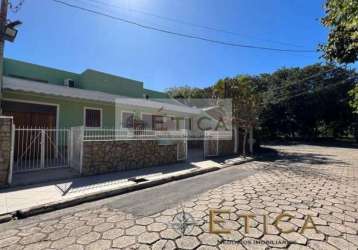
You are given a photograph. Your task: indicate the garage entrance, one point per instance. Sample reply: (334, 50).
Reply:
(38, 144)
(30, 115)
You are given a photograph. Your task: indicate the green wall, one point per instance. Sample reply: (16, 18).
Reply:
(94, 80)
(32, 71)
(89, 79)
(71, 111)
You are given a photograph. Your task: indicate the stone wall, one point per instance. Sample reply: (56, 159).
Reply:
(5, 148)
(108, 156)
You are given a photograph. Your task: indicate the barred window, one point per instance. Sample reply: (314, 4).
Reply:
(93, 118)
(127, 120)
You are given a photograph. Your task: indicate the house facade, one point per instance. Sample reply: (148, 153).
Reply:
(39, 96)
(94, 123)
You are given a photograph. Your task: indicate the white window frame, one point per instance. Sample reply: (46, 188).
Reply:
(146, 113)
(188, 121)
(130, 112)
(92, 108)
(175, 120)
(164, 118)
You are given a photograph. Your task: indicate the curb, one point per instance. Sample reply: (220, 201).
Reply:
(5, 218)
(49, 207)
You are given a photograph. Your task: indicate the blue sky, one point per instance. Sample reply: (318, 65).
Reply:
(68, 39)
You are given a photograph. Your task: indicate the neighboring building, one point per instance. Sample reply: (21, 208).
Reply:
(39, 96)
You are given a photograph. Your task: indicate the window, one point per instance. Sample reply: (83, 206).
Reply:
(148, 121)
(93, 118)
(127, 120)
(158, 122)
(188, 123)
(171, 123)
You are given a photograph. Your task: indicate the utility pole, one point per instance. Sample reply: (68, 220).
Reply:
(3, 20)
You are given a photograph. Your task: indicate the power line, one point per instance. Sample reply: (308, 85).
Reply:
(305, 79)
(193, 24)
(295, 82)
(177, 33)
(288, 97)
(284, 97)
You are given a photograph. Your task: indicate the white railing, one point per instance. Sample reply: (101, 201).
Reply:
(127, 134)
(218, 135)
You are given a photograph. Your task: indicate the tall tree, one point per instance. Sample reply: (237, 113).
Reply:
(354, 101)
(307, 102)
(342, 20)
(245, 102)
(189, 92)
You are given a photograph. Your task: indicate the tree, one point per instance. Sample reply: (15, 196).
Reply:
(306, 102)
(245, 102)
(354, 101)
(342, 20)
(186, 92)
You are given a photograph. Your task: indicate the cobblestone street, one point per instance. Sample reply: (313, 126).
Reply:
(320, 182)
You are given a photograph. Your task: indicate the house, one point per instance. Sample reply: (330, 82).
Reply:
(93, 122)
(39, 96)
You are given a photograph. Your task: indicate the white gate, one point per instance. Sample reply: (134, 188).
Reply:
(76, 145)
(211, 143)
(212, 139)
(36, 149)
(182, 148)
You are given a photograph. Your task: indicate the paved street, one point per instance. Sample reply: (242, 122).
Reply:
(303, 181)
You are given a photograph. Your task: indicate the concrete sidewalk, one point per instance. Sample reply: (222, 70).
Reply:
(22, 200)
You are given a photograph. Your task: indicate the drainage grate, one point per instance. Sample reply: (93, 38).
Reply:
(137, 180)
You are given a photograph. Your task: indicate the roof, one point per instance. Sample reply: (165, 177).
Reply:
(16, 84)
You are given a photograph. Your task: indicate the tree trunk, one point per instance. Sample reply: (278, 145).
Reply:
(244, 143)
(236, 139)
(251, 140)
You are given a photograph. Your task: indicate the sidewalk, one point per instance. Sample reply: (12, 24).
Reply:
(22, 200)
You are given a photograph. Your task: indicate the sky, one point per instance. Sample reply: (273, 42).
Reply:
(70, 39)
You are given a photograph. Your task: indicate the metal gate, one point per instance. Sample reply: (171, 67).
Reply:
(211, 143)
(37, 149)
(76, 148)
(182, 150)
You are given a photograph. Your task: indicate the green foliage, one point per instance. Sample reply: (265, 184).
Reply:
(189, 92)
(307, 102)
(245, 99)
(342, 20)
(353, 93)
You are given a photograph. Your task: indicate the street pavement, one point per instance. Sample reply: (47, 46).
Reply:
(303, 181)
(154, 200)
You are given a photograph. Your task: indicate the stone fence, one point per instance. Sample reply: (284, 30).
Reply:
(109, 156)
(5, 149)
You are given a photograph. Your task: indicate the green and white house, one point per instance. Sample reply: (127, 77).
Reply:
(39, 96)
(93, 122)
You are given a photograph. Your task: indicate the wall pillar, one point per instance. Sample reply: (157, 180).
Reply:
(6, 126)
